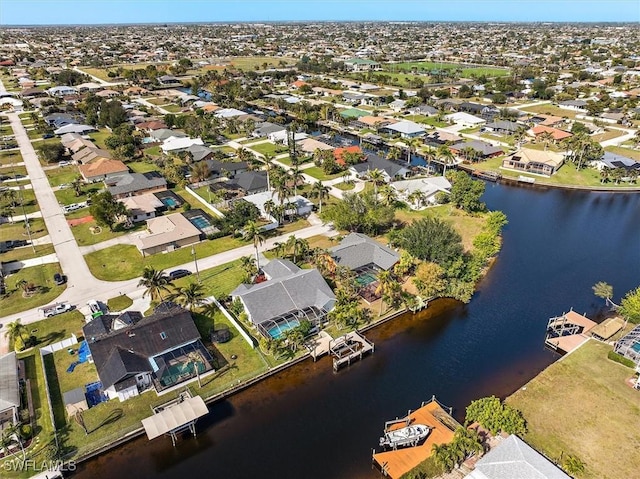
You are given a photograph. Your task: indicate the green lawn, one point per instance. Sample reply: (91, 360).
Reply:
(345, 186)
(218, 281)
(269, 148)
(28, 201)
(85, 236)
(142, 166)
(8, 170)
(628, 152)
(9, 157)
(68, 196)
(582, 406)
(153, 151)
(98, 138)
(319, 173)
(549, 109)
(158, 101)
(41, 276)
(26, 252)
(59, 176)
(172, 107)
(82, 375)
(17, 230)
(119, 303)
(250, 63)
(466, 71)
(122, 262)
(6, 130)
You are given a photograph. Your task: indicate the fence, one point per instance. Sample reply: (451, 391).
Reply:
(65, 343)
(247, 337)
(213, 209)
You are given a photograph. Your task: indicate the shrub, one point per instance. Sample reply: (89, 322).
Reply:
(613, 356)
(25, 432)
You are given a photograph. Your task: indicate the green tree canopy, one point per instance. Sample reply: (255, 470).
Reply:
(106, 210)
(496, 416)
(360, 212)
(431, 239)
(51, 152)
(466, 192)
(630, 306)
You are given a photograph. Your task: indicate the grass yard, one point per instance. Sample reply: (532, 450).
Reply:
(628, 152)
(549, 109)
(119, 303)
(59, 176)
(172, 108)
(9, 157)
(466, 71)
(12, 171)
(153, 151)
(6, 130)
(142, 166)
(250, 63)
(28, 201)
(319, 174)
(41, 276)
(344, 186)
(83, 374)
(218, 281)
(26, 252)
(582, 406)
(130, 263)
(607, 135)
(268, 148)
(97, 72)
(98, 138)
(85, 237)
(17, 230)
(68, 196)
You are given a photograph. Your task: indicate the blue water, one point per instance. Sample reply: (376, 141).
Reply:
(204, 94)
(276, 332)
(636, 347)
(169, 202)
(200, 222)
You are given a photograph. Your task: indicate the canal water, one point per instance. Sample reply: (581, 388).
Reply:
(309, 422)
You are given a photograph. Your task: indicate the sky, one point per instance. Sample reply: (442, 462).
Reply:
(61, 12)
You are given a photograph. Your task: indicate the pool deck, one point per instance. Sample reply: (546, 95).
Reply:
(395, 463)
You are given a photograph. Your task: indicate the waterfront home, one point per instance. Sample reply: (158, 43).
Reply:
(629, 346)
(390, 169)
(309, 146)
(102, 169)
(363, 255)
(288, 296)
(428, 188)
(9, 389)
(405, 128)
(512, 458)
(265, 128)
(372, 122)
(480, 150)
(133, 353)
(534, 161)
(167, 233)
(142, 207)
(168, 81)
(131, 184)
(614, 160)
(281, 137)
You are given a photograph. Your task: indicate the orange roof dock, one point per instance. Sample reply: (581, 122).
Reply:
(395, 463)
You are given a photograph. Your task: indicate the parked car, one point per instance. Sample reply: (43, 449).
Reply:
(94, 306)
(59, 279)
(56, 309)
(179, 273)
(64, 163)
(46, 136)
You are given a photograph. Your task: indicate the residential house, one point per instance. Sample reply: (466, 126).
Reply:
(503, 127)
(397, 105)
(9, 389)
(296, 205)
(629, 347)
(556, 134)
(174, 144)
(62, 91)
(132, 184)
(437, 138)
(482, 149)
(338, 153)
(281, 137)
(75, 145)
(90, 154)
(133, 353)
(358, 252)
(142, 207)
(391, 170)
(265, 128)
(613, 160)
(513, 458)
(534, 161)
(310, 145)
(288, 296)
(167, 233)
(218, 168)
(162, 134)
(465, 120)
(107, 94)
(361, 65)
(101, 169)
(74, 128)
(58, 119)
(426, 110)
(247, 182)
(575, 105)
(477, 109)
(167, 81)
(428, 187)
(405, 128)
(151, 125)
(372, 122)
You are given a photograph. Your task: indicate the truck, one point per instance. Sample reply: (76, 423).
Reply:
(56, 309)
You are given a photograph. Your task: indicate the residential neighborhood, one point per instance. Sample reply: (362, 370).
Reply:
(191, 210)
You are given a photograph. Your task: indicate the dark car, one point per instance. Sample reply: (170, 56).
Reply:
(179, 273)
(59, 279)
(47, 136)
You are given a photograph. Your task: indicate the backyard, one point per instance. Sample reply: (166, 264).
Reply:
(42, 277)
(581, 406)
(17, 230)
(268, 148)
(9, 157)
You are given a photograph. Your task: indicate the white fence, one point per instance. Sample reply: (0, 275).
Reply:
(247, 337)
(64, 344)
(214, 210)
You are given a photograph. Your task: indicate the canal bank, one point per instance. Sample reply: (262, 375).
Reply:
(308, 421)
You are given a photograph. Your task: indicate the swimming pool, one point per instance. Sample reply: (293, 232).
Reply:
(170, 202)
(200, 222)
(278, 330)
(366, 279)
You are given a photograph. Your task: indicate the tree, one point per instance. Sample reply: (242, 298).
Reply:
(466, 192)
(195, 358)
(388, 289)
(360, 212)
(18, 333)
(431, 239)
(573, 465)
(446, 156)
(51, 152)
(76, 184)
(253, 233)
(603, 290)
(297, 177)
(630, 306)
(106, 210)
(429, 280)
(248, 265)
(319, 191)
(389, 195)
(376, 176)
(413, 144)
(200, 171)
(495, 416)
(112, 114)
(190, 296)
(443, 456)
(156, 282)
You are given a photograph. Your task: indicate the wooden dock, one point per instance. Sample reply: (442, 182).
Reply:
(568, 332)
(395, 463)
(487, 175)
(349, 348)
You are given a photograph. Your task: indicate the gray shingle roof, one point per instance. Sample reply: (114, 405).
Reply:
(515, 459)
(132, 182)
(376, 162)
(357, 250)
(296, 291)
(9, 394)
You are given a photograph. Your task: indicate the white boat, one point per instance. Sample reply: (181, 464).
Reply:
(406, 436)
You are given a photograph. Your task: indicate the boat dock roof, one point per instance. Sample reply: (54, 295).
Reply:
(607, 328)
(568, 332)
(397, 462)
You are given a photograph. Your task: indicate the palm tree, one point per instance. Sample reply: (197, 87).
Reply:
(76, 184)
(443, 456)
(248, 265)
(417, 198)
(195, 358)
(446, 156)
(190, 296)
(282, 190)
(394, 154)
(268, 161)
(296, 175)
(389, 195)
(546, 137)
(156, 282)
(388, 288)
(605, 291)
(269, 206)
(252, 232)
(413, 144)
(9, 436)
(573, 465)
(376, 176)
(320, 191)
(200, 171)
(18, 333)
(243, 154)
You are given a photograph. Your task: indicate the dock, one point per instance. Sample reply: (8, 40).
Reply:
(487, 175)
(607, 328)
(568, 332)
(394, 463)
(349, 348)
(175, 417)
(526, 179)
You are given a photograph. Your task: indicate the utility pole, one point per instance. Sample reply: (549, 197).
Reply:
(195, 260)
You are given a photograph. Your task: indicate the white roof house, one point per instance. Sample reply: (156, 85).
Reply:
(464, 119)
(301, 205)
(74, 128)
(429, 187)
(9, 391)
(281, 137)
(406, 128)
(228, 113)
(177, 144)
(62, 91)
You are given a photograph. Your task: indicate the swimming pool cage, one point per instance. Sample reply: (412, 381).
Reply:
(274, 328)
(629, 345)
(367, 279)
(176, 366)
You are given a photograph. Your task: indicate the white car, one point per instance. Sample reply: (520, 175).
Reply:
(94, 306)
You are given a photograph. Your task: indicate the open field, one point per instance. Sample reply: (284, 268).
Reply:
(582, 406)
(9, 157)
(98, 138)
(250, 63)
(465, 70)
(89, 233)
(268, 148)
(26, 252)
(549, 109)
(17, 230)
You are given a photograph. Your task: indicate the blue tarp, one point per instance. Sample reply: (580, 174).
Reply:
(94, 394)
(83, 352)
(72, 366)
